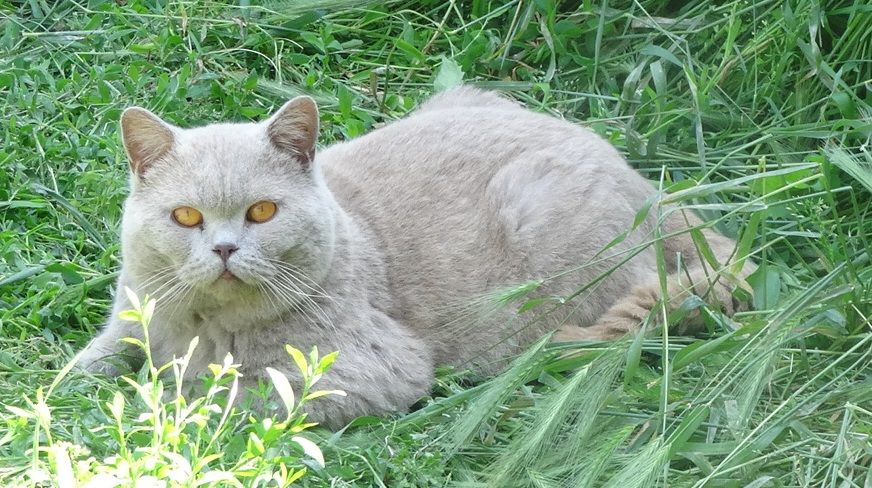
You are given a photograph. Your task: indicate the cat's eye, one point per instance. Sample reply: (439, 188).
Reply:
(261, 211)
(187, 216)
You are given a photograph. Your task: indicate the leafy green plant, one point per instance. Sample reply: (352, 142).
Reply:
(167, 437)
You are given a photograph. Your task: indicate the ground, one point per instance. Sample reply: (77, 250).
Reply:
(755, 114)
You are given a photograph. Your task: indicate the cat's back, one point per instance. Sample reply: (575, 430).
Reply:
(472, 192)
(460, 145)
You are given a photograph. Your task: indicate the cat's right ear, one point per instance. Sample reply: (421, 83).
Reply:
(146, 138)
(294, 129)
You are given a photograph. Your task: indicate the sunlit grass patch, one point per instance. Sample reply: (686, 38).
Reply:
(756, 115)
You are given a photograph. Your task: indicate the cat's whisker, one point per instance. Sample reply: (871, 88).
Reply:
(275, 300)
(182, 292)
(157, 276)
(294, 295)
(289, 280)
(292, 286)
(318, 310)
(295, 305)
(303, 304)
(166, 293)
(162, 292)
(317, 292)
(289, 277)
(300, 277)
(270, 300)
(161, 284)
(300, 286)
(160, 287)
(162, 269)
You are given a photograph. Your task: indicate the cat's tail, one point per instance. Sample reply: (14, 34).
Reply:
(466, 97)
(691, 274)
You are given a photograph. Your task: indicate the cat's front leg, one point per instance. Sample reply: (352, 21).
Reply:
(382, 368)
(102, 354)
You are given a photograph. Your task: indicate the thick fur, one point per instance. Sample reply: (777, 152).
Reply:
(394, 241)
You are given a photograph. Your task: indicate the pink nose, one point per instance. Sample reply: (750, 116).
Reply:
(225, 250)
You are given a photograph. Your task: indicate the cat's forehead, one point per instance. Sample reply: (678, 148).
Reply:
(229, 147)
(223, 166)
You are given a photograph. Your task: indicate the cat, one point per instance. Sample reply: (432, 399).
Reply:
(390, 248)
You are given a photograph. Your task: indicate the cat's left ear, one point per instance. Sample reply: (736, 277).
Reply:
(147, 138)
(294, 129)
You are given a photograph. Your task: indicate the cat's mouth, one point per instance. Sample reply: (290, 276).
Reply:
(232, 278)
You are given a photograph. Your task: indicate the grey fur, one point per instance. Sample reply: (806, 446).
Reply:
(407, 229)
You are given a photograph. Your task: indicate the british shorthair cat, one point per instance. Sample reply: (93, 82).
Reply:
(389, 247)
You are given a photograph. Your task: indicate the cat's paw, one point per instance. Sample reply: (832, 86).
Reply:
(99, 362)
(104, 368)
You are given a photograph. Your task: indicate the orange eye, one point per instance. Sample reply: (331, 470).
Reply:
(187, 216)
(261, 211)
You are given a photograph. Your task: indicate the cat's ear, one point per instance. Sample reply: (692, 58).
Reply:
(146, 138)
(294, 129)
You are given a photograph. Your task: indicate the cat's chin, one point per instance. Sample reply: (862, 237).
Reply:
(229, 286)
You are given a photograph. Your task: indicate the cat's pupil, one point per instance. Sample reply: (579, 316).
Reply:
(261, 211)
(187, 216)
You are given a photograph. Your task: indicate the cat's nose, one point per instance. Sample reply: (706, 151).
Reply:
(225, 250)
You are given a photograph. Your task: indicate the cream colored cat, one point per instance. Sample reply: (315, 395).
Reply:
(388, 247)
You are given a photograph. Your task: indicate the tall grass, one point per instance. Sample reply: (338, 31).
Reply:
(756, 115)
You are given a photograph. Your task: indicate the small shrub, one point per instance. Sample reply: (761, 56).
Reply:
(166, 437)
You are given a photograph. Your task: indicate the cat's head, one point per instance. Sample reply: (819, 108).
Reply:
(226, 210)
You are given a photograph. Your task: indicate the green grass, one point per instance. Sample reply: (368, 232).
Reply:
(756, 114)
